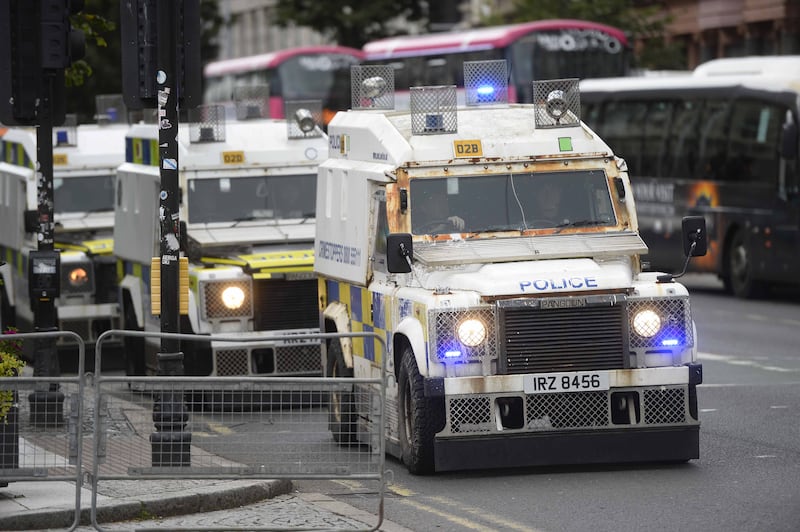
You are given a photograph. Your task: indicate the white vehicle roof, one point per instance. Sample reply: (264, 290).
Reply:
(262, 143)
(767, 73)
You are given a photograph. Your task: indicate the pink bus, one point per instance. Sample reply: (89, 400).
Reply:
(305, 73)
(544, 49)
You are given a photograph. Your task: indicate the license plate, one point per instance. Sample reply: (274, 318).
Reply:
(573, 381)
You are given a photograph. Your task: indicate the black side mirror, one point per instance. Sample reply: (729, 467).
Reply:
(399, 250)
(695, 239)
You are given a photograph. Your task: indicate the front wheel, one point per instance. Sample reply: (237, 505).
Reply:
(133, 345)
(420, 418)
(341, 408)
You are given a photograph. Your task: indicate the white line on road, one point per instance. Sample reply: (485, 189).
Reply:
(727, 359)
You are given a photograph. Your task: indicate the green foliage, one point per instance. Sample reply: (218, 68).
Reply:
(11, 364)
(349, 23)
(100, 71)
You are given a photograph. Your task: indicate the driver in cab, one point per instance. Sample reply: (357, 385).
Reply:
(430, 209)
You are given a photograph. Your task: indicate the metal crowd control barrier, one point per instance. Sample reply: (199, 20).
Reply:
(237, 427)
(41, 427)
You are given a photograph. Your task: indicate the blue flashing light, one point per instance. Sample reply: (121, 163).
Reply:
(485, 90)
(452, 354)
(61, 137)
(669, 341)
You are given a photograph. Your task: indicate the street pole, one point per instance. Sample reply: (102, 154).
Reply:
(170, 443)
(47, 405)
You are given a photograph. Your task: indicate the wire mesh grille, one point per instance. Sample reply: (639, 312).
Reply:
(433, 110)
(251, 101)
(486, 82)
(298, 359)
(66, 134)
(676, 322)
(470, 414)
(664, 406)
(110, 109)
(566, 410)
(558, 103)
(303, 118)
(230, 362)
(207, 123)
(372, 86)
(212, 300)
(444, 340)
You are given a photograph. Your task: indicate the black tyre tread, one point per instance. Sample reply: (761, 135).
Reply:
(341, 422)
(746, 287)
(427, 418)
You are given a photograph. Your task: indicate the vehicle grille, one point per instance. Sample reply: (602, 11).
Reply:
(283, 304)
(537, 339)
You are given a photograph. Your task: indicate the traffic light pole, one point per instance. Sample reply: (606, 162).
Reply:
(47, 406)
(170, 443)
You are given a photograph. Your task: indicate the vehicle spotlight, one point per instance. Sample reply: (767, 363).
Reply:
(556, 104)
(471, 332)
(374, 87)
(233, 297)
(305, 120)
(646, 323)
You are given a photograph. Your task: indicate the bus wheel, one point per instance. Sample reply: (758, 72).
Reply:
(420, 418)
(740, 269)
(341, 410)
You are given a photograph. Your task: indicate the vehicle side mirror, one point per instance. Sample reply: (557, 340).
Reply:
(399, 250)
(31, 220)
(695, 238)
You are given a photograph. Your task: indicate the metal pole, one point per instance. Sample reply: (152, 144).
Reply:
(170, 443)
(47, 405)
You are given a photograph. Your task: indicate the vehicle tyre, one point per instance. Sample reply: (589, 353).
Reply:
(420, 417)
(342, 417)
(740, 269)
(134, 346)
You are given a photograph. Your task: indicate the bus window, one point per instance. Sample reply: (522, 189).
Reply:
(624, 129)
(714, 139)
(654, 139)
(682, 151)
(755, 130)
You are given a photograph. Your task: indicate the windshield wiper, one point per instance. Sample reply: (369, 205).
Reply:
(580, 223)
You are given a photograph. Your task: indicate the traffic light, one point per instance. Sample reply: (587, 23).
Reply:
(37, 42)
(139, 35)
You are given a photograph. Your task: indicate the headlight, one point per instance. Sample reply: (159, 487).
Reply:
(233, 297)
(78, 277)
(471, 332)
(646, 323)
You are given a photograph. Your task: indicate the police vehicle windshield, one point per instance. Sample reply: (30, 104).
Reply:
(507, 202)
(223, 199)
(83, 194)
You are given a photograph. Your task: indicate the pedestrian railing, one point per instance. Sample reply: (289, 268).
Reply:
(175, 427)
(42, 424)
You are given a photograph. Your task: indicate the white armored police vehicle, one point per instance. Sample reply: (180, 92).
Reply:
(495, 248)
(247, 229)
(85, 159)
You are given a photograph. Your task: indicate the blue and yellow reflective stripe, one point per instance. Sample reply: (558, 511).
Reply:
(141, 151)
(17, 259)
(14, 153)
(369, 312)
(134, 269)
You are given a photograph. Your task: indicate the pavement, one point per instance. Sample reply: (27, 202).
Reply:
(39, 502)
(179, 504)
